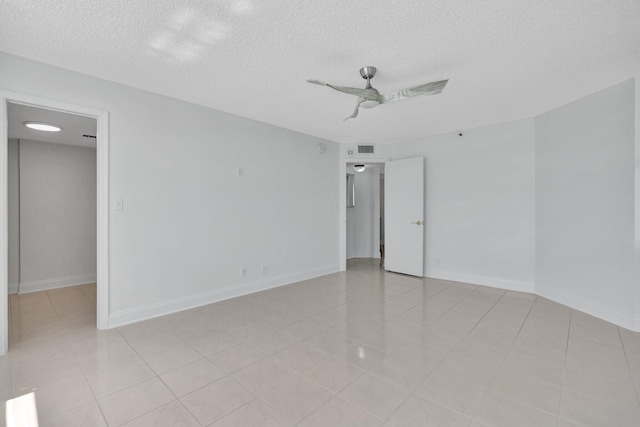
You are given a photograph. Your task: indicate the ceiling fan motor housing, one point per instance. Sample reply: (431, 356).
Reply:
(368, 72)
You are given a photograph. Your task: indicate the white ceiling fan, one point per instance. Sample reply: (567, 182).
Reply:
(369, 97)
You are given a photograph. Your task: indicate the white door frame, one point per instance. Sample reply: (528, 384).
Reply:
(342, 204)
(102, 196)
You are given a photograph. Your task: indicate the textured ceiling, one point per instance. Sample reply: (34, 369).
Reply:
(505, 59)
(73, 126)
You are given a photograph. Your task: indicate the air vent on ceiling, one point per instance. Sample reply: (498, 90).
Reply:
(89, 136)
(365, 149)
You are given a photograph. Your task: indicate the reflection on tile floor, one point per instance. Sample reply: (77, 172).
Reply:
(357, 348)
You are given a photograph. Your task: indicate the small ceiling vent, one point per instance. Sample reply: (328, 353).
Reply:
(89, 136)
(365, 149)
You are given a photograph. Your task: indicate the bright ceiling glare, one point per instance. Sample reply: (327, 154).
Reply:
(46, 127)
(359, 168)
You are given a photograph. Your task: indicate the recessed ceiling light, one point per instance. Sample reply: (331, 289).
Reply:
(47, 127)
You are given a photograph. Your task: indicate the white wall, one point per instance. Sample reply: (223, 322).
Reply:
(57, 215)
(13, 215)
(479, 204)
(585, 195)
(548, 205)
(189, 222)
(363, 229)
(350, 225)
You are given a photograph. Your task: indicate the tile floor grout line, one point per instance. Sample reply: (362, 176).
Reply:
(371, 413)
(348, 401)
(287, 418)
(564, 364)
(326, 388)
(502, 363)
(473, 417)
(177, 399)
(626, 357)
(77, 361)
(463, 338)
(305, 378)
(413, 392)
(247, 404)
(154, 372)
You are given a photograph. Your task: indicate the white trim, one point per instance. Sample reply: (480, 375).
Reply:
(4, 227)
(13, 287)
(133, 315)
(102, 199)
(493, 282)
(636, 83)
(102, 153)
(59, 282)
(596, 309)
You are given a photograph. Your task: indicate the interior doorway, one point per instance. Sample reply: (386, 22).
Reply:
(12, 107)
(365, 214)
(52, 226)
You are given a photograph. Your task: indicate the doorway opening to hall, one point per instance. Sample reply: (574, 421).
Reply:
(52, 222)
(365, 215)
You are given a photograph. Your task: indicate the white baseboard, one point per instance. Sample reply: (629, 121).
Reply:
(592, 308)
(12, 288)
(179, 304)
(60, 282)
(126, 317)
(596, 309)
(482, 281)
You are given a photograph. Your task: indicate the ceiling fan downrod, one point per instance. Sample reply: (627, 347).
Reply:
(367, 73)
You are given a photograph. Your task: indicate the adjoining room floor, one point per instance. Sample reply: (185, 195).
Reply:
(357, 348)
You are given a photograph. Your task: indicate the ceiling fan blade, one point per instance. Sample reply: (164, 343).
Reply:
(356, 111)
(317, 82)
(363, 93)
(432, 88)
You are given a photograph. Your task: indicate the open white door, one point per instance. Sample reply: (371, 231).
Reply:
(404, 216)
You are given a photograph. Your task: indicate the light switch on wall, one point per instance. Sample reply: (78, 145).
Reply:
(118, 205)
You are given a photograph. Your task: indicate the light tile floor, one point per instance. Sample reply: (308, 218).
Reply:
(358, 348)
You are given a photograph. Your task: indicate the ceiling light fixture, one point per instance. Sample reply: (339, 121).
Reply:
(359, 168)
(46, 127)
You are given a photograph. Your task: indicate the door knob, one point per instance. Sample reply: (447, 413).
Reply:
(417, 222)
